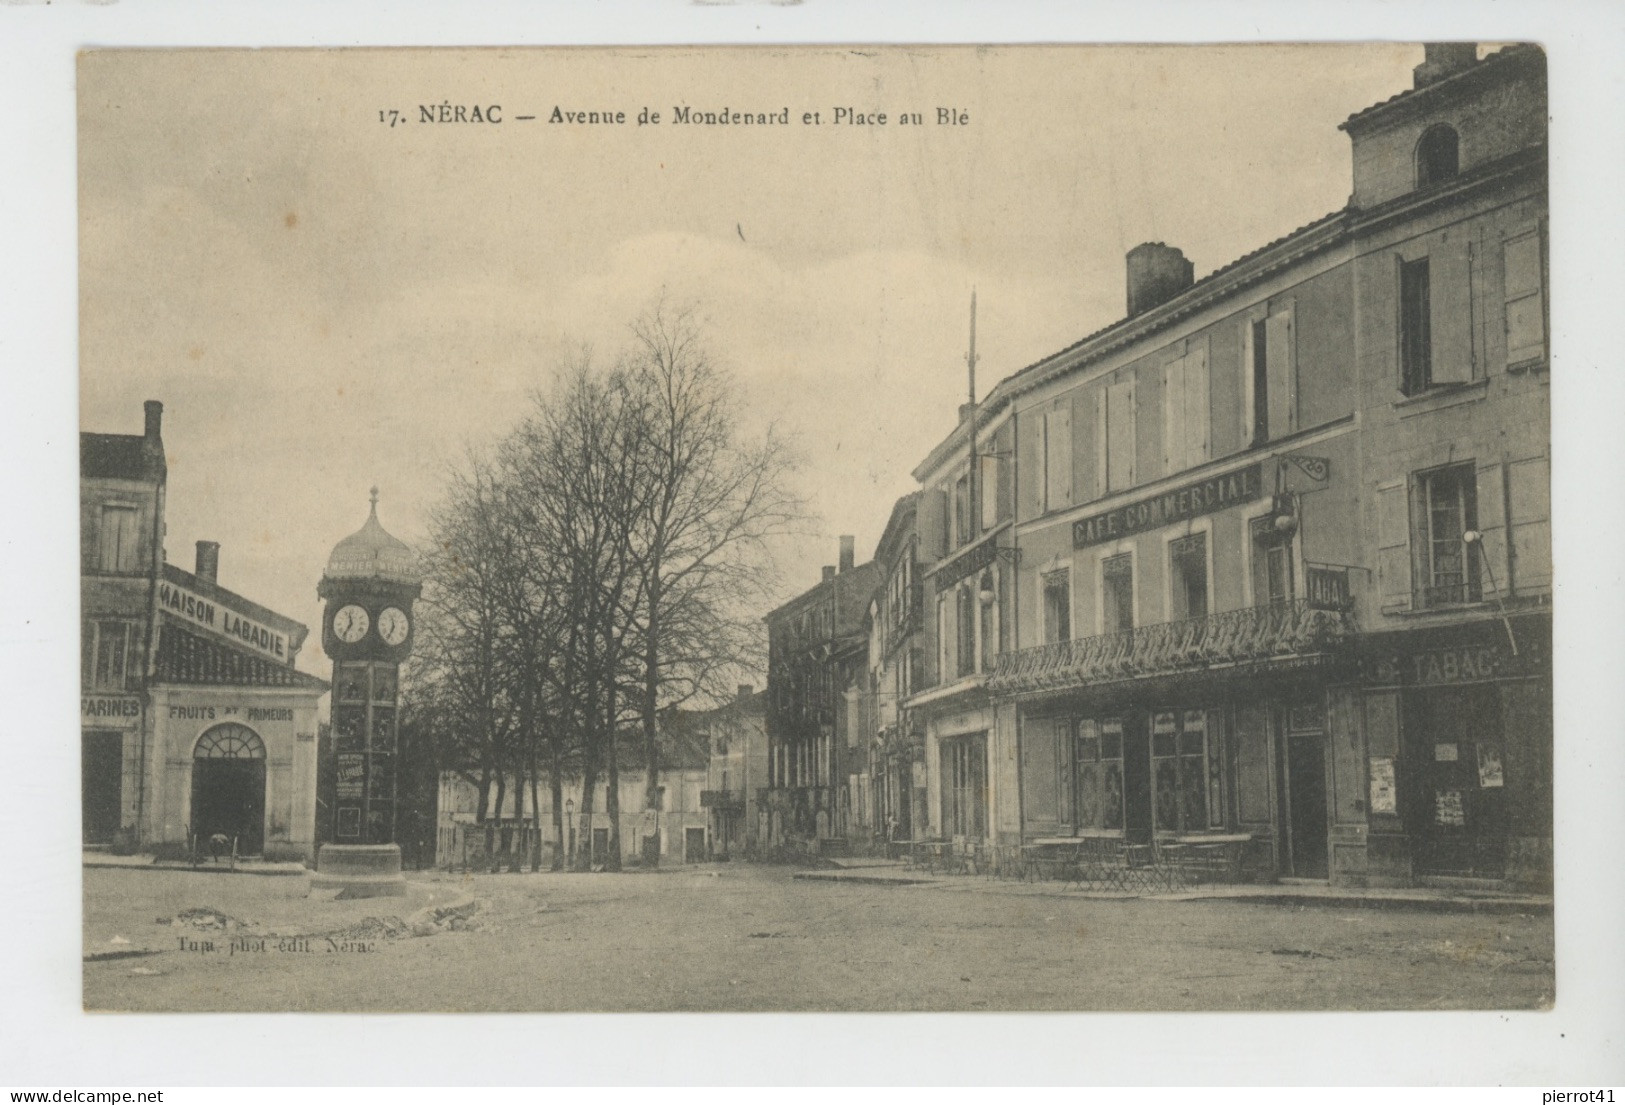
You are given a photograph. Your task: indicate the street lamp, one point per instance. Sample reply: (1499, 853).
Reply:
(570, 820)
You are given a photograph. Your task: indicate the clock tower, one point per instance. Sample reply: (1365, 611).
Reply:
(371, 581)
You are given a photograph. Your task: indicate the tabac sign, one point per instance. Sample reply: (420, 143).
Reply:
(1191, 501)
(193, 609)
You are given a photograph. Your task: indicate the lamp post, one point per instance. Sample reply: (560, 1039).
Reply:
(570, 820)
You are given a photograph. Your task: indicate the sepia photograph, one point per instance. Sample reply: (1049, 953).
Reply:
(816, 529)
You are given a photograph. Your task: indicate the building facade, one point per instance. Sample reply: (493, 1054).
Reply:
(1269, 558)
(736, 733)
(817, 654)
(196, 724)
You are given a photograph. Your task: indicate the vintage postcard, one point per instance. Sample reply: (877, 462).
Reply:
(812, 529)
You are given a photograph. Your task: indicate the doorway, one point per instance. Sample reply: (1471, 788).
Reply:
(1304, 803)
(1455, 808)
(228, 788)
(693, 845)
(101, 769)
(1137, 777)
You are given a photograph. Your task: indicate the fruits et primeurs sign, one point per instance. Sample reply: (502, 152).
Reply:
(1190, 501)
(193, 609)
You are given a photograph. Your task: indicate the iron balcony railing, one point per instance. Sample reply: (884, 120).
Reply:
(1278, 631)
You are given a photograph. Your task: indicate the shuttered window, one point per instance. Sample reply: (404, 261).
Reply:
(120, 543)
(1525, 306)
(1186, 423)
(1115, 430)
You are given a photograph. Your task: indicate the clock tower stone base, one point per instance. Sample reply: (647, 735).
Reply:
(360, 870)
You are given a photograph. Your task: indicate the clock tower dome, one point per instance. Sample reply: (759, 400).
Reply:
(371, 581)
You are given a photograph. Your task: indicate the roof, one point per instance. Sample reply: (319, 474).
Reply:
(295, 630)
(187, 657)
(371, 552)
(114, 456)
(859, 581)
(1522, 51)
(898, 527)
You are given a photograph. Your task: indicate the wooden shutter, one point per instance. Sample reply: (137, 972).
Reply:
(1030, 464)
(1248, 399)
(1281, 372)
(1525, 311)
(1058, 455)
(1198, 407)
(1451, 313)
(1103, 481)
(933, 524)
(987, 483)
(1120, 430)
(1173, 416)
(1491, 525)
(1394, 544)
(1529, 490)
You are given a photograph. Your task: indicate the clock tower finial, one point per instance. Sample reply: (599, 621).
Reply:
(375, 499)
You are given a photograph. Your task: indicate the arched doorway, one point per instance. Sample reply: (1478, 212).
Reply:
(228, 787)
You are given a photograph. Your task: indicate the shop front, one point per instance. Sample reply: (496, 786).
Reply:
(1459, 728)
(110, 735)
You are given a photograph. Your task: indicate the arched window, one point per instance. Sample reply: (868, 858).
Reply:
(1436, 156)
(229, 742)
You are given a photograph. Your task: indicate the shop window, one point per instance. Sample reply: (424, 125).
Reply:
(106, 656)
(1117, 593)
(965, 786)
(1436, 156)
(1179, 769)
(1415, 328)
(1272, 564)
(1525, 305)
(1445, 509)
(1057, 606)
(120, 542)
(1187, 572)
(1097, 754)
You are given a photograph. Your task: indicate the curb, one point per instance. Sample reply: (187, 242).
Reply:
(202, 870)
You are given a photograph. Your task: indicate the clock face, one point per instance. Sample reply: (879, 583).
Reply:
(393, 625)
(350, 623)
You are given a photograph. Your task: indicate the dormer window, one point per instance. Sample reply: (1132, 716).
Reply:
(1436, 156)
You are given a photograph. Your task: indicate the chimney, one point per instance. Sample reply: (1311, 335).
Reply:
(1443, 59)
(1156, 273)
(829, 572)
(745, 691)
(966, 410)
(155, 419)
(847, 553)
(208, 561)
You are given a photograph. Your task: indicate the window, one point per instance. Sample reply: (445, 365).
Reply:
(1185, 410)
(1058, 457)
(965, 611)
(1187, 577)
(962, 524)
(1097, 753)
(1179, 769)
(1447, 507)
(1117, 593)
(1415, 328)
(1525, 306)
(106, 656)
(1057, 606)
(1436, 156)
(1272, 564)
(1115, 406)
(987, 490)
(120, 545)
(964, 786)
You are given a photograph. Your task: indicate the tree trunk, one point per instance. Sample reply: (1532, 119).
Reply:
(651, 698)
(556, 785)
(535, 813)
(493, 830)
(612, 862)
(516, 854)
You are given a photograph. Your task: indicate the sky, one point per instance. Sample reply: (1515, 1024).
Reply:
(324, 301)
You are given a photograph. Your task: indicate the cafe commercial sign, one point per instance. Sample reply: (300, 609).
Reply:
(1190, 501)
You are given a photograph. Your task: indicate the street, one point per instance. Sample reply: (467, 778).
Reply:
(736, 937)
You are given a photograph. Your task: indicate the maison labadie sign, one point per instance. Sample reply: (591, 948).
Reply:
(1190, 501)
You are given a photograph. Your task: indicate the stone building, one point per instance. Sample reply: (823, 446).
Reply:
(817, 652)
(195, 721)
(1268, 559)
(737, 735)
